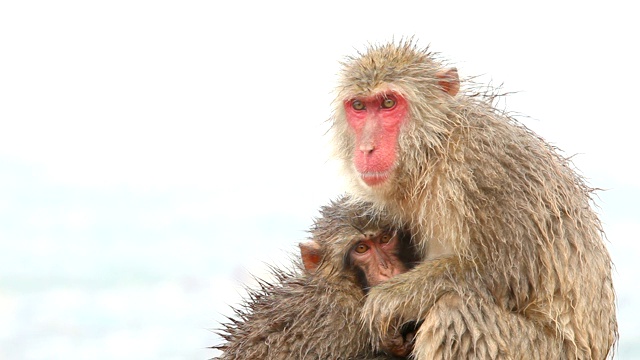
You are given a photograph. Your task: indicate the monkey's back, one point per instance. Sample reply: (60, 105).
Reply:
(534, 216)
(298, 316)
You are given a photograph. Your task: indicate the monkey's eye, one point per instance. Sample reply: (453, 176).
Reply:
(361, 248)
(385, 239)
(388, 103)
(357, 105)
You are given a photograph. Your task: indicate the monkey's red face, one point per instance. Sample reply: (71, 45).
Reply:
(376, 121)
(377, 257)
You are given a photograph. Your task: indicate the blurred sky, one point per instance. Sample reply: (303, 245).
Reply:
(153, 154)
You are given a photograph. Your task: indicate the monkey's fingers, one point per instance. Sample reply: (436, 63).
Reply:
(398, 345)
(402, 343)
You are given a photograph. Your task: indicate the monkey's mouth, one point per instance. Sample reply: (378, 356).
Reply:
(373, 178)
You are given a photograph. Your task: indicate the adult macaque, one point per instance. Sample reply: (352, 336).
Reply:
(513, 259)
(313, 312)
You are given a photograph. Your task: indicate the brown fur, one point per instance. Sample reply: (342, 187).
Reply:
(306, 315)
(514, 260)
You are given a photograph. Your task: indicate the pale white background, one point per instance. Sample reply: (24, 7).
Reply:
(154, 153)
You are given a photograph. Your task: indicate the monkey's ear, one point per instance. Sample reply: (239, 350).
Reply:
(449, 81)
(311, 255)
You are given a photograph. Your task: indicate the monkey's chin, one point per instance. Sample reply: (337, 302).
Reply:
(375, 178)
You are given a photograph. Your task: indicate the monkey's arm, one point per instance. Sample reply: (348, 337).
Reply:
(409, 296)
(457, 315)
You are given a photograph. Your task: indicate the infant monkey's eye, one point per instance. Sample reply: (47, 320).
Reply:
(361, 248)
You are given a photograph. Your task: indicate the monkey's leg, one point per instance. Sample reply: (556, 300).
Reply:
(443, 295)
(468, 327)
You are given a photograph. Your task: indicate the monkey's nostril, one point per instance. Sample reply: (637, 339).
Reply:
(367, 146)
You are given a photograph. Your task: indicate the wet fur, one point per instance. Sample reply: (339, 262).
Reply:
(304, 315)
(514, 260)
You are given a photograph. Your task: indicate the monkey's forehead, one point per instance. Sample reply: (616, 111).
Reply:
(384, 65)
(350, 223)
(347, 237)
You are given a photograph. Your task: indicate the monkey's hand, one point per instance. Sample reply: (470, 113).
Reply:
(406, 299)
(402, 346)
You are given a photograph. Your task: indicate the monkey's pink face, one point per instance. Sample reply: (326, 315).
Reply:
(377, 257)
(376, 121)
